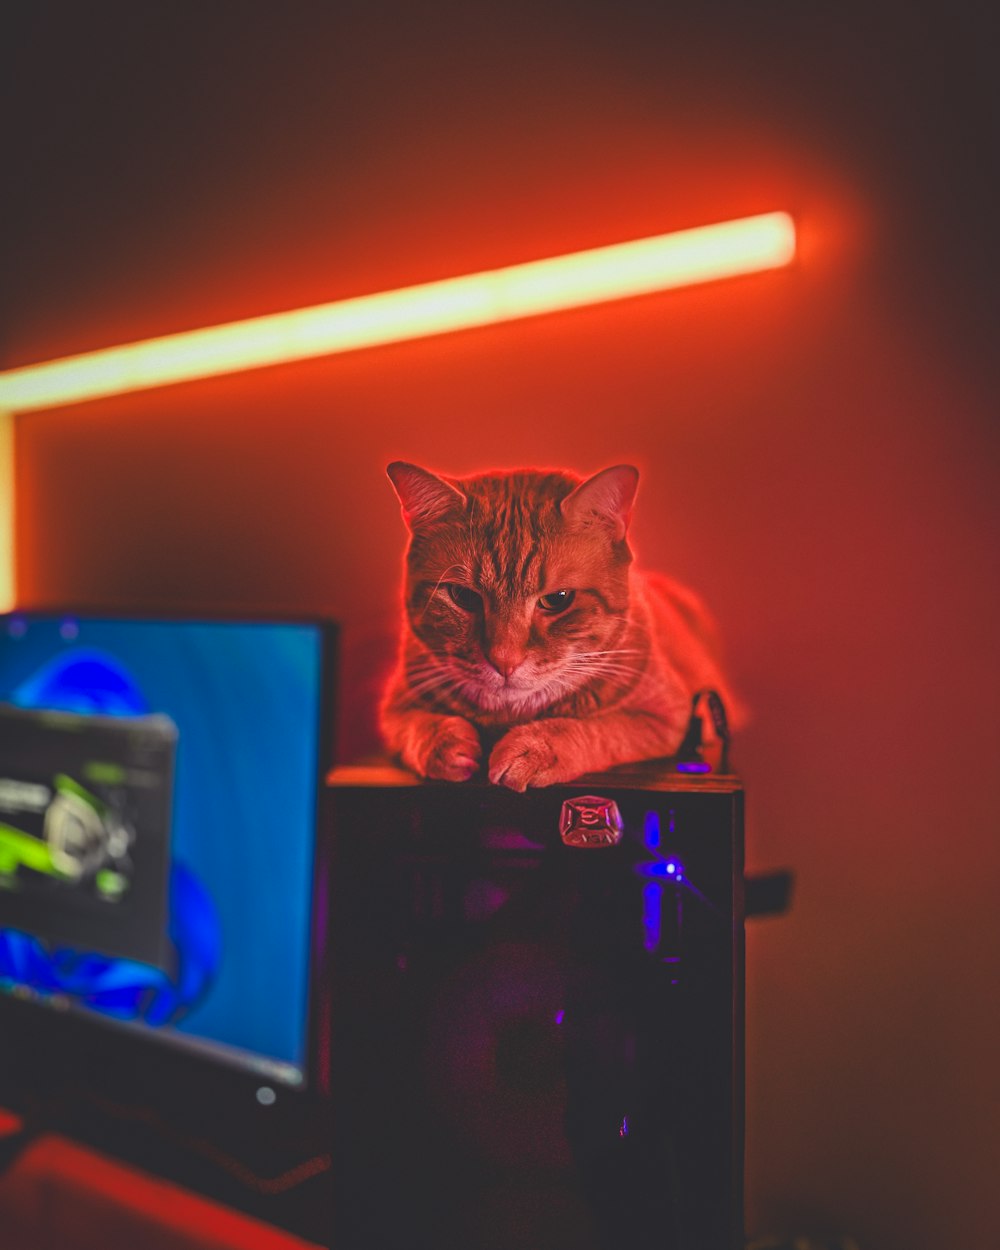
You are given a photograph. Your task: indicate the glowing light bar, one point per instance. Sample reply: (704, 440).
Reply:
(601, 274)
(7, 597)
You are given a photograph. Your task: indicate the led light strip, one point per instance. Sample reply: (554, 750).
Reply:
(542, 286)
(682, 258)
(6, 511)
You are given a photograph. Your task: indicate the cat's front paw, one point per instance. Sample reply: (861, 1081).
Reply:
(527, 755)
(450, 751)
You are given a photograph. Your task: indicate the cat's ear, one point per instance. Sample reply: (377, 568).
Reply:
(607, 498)
(424, 496)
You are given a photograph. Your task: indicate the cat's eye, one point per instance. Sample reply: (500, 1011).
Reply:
(558, 601)
(466, 599)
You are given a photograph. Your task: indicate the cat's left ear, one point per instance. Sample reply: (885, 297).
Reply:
(607, 497)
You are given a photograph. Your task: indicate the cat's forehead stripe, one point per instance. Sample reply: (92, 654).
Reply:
(510, 531)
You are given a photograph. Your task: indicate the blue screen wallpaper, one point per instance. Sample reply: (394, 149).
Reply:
(245, 700)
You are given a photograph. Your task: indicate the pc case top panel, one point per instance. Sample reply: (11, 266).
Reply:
(537, 1042)
(654, 775)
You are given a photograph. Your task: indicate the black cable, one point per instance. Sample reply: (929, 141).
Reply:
(692, 743)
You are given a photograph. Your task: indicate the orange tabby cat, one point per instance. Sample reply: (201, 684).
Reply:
(528, 634)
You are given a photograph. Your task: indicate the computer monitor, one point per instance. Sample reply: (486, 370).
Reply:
(159, 920)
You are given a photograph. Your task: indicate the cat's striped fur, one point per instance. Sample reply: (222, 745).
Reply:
(529, 636)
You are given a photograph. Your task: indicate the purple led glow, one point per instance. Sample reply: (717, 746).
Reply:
(693, 766)
(651, 829)
(560, 1016)
(662, 868)
(652, 915)
(623, 1128)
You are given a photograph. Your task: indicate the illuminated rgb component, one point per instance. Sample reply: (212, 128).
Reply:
(599, 275)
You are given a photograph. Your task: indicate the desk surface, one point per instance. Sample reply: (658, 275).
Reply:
(61, 1194)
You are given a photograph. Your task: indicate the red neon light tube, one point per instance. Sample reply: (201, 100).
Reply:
(601, 274)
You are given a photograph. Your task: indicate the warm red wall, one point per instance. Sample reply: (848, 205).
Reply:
(817, 446)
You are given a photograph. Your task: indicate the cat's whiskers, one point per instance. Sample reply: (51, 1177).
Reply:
(606, 670)
(613, 656)
(602, 668)
(433, 679)
(585, 672)
(601, 662)
(610, 651)
(429, 683)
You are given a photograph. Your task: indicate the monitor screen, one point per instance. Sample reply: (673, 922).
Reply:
(158, 803)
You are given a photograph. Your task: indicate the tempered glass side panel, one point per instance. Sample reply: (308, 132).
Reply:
(535, 1044)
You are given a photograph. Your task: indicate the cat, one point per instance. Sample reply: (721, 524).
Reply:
(528, 637)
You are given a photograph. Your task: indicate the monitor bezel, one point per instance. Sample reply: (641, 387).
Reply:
(124, 1065)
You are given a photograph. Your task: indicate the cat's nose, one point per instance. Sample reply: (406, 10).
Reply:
(505, 662)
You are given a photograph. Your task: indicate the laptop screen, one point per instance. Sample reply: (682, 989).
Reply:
(158, 791)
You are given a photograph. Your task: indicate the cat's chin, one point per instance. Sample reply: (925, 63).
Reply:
(511, 701)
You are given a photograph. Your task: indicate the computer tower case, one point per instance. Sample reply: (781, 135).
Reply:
(536, 1013)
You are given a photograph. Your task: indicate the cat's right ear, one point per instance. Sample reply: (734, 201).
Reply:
(424, 496)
